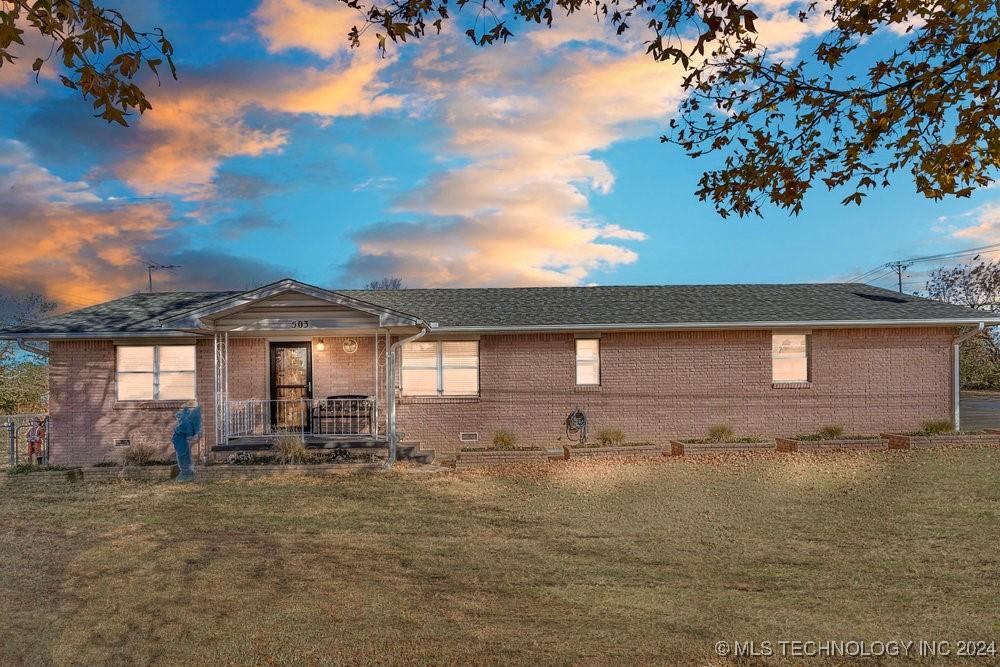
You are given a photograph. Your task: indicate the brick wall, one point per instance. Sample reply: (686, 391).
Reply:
(655, 386)
(85, 415)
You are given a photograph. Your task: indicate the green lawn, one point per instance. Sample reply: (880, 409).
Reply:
(579, 563)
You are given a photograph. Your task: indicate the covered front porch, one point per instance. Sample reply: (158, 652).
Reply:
(292, 359)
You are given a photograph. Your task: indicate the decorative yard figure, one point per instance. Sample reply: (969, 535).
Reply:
(36, 440)
(188, 427)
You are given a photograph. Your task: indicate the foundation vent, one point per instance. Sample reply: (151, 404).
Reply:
(469, 436)
(123, 442)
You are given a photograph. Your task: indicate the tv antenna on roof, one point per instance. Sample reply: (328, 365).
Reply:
(155, 266)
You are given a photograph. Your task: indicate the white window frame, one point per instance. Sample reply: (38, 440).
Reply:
(439, 368)
(808, 345)
(155, 373)
(576, 366)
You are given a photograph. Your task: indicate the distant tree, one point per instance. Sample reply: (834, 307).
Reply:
(386, 283)
(24, 378)
(100, 53)
(976, 285)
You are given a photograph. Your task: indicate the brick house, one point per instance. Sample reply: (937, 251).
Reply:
(449, 367)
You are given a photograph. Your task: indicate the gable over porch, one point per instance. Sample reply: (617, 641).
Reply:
(293, 358)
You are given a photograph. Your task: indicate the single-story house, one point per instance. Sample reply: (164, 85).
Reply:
(448, 368)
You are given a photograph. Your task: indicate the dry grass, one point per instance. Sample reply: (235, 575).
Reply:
(574, 563)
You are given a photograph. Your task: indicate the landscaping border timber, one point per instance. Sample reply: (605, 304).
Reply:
(903, 441)
(681, 448)
(794, 445)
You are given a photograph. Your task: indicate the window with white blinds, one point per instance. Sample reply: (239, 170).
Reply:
(155, 373)
(790, 358)
(588, 361)
(441, 368)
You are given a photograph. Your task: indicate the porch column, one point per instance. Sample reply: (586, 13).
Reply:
(221, 387)
(391, 355)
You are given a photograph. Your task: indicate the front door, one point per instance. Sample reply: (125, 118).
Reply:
(291, 381)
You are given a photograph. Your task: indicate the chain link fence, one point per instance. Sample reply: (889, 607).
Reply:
(23, 433)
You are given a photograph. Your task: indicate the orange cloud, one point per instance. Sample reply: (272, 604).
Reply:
(192, 129)
(525, 123)
(59, 238)
(187, 138)
(196, 126)
(19, 73)
(300, 24)
(987, 224)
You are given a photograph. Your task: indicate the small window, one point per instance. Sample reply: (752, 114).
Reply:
(441, 368)
(790, 358)
(156, 373)
(588, 361)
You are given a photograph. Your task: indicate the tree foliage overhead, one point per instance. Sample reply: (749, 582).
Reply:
(99, 51)
(833, 116)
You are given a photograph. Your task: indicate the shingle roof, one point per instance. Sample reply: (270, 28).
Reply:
(662, 304)
(129, 314)
(563, 306)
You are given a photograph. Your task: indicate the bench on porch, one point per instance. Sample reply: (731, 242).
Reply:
(343, 414)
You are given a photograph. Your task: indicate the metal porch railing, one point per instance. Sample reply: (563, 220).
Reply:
(335, 416)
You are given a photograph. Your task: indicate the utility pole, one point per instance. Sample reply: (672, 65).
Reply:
(899, 267)
(153, 266)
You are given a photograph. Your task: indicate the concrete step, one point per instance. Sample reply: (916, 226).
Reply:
(410, 451)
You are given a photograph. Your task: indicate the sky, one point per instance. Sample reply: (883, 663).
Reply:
(282, 152)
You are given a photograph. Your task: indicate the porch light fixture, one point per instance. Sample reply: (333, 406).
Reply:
(320, 345)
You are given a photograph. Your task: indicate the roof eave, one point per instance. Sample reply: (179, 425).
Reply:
(661, 326)
(606, 326)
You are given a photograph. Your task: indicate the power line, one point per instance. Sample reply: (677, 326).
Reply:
(897, 268)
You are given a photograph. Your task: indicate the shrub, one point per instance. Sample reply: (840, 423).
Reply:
(240, 458)
(937, 426)
(830, 432)
(106, 464)
(291, 448)
(504, 439)
(720, 433)
(611, 437)
(138, 455)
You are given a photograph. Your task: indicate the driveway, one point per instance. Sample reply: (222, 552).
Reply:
(980, 409)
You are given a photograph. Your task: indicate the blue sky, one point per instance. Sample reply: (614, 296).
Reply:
(282, 152)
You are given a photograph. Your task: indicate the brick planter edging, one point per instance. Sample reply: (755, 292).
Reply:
(129, 473)
(45, 477)
(793, 445)
(639, 451)
(495, 457)
(681, 448)
(902, 441)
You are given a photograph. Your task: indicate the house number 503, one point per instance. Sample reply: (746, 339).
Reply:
(300, 324)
